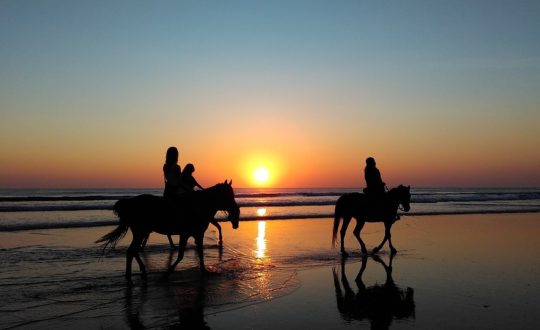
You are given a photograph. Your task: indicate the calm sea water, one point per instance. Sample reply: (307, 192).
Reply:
(24, 209)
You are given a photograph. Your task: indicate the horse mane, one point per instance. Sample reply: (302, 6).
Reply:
(213, 189)
(397, 189)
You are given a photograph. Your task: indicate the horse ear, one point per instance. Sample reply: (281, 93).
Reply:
(408, 187)
(230, 183)
(225, 182)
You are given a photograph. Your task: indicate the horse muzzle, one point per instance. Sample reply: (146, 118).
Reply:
(234, 217)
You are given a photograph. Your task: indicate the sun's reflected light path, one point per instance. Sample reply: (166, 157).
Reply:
(261, 212)
(260, 251)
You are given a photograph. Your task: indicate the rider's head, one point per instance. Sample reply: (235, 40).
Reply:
(370, 161)
(189, 168)
(172, 156)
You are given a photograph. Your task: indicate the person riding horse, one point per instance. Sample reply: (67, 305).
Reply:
(374, 205)
(375, 187)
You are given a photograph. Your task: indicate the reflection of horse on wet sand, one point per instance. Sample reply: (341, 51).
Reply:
(169, 305)
(191, 216)
(379, 304)
(365, 209)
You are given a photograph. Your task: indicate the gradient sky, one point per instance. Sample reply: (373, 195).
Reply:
(441, 93)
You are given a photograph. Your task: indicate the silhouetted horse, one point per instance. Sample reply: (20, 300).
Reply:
(380, 304)
(190, 216)
(364, 209)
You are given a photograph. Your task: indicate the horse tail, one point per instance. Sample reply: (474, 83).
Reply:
(111, 239)
(337, 219)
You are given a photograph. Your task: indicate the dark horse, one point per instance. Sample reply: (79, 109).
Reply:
(365, 209)
(189, 216)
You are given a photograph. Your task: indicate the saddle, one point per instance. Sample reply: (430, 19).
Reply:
(379, 206)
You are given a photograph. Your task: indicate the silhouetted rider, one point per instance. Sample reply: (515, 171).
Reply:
(187, 178)
(172, 174)
(374, 182)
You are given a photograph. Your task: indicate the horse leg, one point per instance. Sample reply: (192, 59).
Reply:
(133, 252)
(140, 262)
(356, 232)
(144, 241)
(215, 223)
(181, 250)
(342, 232)
(199, 242)
(171, 243)
(129, 260)
(387, 236)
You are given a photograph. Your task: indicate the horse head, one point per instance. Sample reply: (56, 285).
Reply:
(226, 202)
(403, 195)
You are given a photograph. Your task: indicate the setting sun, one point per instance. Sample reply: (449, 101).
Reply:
(261, 169)
(261, 175)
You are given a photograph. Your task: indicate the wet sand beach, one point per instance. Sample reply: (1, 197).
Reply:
(450, 272)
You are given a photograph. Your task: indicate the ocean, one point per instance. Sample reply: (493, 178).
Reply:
(29, 209)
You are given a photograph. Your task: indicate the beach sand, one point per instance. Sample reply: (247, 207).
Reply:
(450, 272)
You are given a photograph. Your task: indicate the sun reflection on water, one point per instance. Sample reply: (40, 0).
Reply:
(260, 251)
(261, 212)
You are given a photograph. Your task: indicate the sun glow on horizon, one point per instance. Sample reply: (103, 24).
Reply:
(262, 169)
(261, 175)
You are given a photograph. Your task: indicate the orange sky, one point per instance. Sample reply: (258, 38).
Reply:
(296, 153)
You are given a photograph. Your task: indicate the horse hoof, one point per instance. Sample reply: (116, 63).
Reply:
(344, 254)
(375, 251)
(393, 251)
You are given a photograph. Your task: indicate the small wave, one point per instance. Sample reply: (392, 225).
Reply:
(56, 225)
(46, 208)
(473, 197)
(62, 198)
(288, 194)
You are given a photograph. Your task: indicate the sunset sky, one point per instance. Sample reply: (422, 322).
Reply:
(441, 93)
